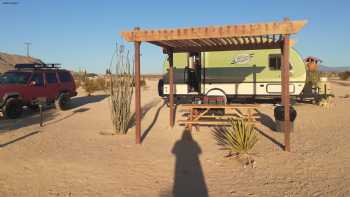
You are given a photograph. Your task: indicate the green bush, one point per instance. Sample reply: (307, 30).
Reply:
(90, 86)
(344, 75)
(93, 85)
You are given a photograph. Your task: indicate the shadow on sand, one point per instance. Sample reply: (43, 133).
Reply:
(84, 100)
(80, 110)
(144, 110)
(32, 117)
(28, 118)
(149, 128)
(18, 139)
(188, 178)
(268, 122)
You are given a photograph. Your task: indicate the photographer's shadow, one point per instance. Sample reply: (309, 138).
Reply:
(188, 178)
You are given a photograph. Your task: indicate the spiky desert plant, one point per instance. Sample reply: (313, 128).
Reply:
(239, 138)
(120, 90)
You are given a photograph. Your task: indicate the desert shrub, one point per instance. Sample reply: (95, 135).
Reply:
(102, 83)
(93, 85)
(79, 78)
(142, 82)
(344, 75)
(328, 74)
(90, 86)
(77, 83)
(238, 139)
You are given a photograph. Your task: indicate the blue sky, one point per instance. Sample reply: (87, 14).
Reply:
(83, 33)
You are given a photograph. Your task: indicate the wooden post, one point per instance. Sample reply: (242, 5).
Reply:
(171, 88)
(137, 47)
(285, 91)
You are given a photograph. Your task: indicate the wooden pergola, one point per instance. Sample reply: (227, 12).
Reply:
(216, 38)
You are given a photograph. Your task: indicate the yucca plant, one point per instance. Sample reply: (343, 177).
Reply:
(238, 139)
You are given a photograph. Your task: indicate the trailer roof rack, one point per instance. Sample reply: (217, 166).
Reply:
(37, 66)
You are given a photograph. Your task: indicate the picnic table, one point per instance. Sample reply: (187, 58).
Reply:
(209, 114)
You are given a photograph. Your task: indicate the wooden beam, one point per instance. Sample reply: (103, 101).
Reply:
(246, 40)
(283, 27)
(137, 92)
(228, 47)
(171, 92)
(160, 44)
(210, 42)
(256, 42)
(234, 41)
(227, 106)
(285, 92)
(228, 41)
(194, 43)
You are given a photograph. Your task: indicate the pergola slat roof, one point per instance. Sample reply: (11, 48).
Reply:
(218, 38)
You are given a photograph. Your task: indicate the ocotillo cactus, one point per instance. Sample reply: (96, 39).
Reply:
(121, 91)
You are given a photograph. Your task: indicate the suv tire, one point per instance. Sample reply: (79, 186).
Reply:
(13, 108)
(62, 102)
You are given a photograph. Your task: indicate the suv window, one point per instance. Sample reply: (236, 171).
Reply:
(38, 79)
(51, 78)
(64, 76)
(15, 78)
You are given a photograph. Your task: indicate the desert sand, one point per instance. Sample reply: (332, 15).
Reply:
(70, 157)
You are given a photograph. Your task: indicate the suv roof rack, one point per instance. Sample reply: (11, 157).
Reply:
(37, 66)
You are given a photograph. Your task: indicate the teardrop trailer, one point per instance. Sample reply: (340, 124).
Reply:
(221, 77)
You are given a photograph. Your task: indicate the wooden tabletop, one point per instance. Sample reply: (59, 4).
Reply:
(191, 106)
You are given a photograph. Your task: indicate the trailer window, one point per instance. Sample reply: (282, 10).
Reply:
(275, 62)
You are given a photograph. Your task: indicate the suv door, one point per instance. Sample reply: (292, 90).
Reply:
(51, 85)
(36, 86)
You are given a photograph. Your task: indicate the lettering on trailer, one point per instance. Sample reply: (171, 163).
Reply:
(242, 58)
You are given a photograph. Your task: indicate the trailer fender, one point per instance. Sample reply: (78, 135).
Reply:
(217, 92)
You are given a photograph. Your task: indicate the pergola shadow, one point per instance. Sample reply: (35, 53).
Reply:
(155, 118)
(273, 140)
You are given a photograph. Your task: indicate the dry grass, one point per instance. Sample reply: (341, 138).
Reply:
(344, 75)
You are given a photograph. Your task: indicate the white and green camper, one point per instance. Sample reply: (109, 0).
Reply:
(233, 74)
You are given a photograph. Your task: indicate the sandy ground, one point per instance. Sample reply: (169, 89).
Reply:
(69, 156)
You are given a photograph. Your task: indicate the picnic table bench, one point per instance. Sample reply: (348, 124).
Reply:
(207, 114)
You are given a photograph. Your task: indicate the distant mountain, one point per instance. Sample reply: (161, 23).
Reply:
(333, 69)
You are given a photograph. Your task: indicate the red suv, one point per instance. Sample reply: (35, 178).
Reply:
(30, 82)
